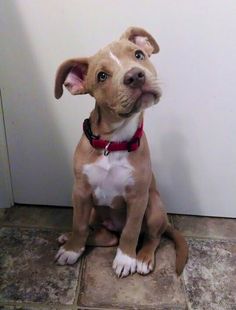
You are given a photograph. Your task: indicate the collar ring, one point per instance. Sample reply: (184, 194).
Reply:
(106, 151)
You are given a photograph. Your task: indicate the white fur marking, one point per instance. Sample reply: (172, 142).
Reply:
(115, 58)
(110, 175)
(123, 264)
(143, 268)
(64, 257)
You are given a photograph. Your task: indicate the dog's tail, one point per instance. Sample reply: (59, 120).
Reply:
(181, 248)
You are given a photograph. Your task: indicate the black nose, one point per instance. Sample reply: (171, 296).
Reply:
(134, 78)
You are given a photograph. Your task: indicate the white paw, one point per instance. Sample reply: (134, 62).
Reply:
(64, 257)
(62, 238)
(143, 267)
(123, 264)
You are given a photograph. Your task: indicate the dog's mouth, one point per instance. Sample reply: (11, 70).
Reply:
(145, 100)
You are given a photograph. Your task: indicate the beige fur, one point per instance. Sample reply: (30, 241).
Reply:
(115, 198)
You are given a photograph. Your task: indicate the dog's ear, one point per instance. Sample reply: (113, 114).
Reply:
(72, 73)
(141, 38)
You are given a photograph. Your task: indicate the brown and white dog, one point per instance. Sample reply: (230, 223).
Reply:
(115, 198)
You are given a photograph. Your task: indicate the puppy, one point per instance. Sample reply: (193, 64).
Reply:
(115, 197)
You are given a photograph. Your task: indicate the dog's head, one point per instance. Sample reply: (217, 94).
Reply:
(120, 76)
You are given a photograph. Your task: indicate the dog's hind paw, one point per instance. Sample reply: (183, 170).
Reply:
(63, 238)
(123, 264)
(64, 257)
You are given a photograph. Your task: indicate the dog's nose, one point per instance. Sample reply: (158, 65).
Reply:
(134, 78)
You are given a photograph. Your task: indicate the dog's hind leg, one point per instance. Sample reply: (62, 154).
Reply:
(97, 237)
(102, 237)
(64, 237)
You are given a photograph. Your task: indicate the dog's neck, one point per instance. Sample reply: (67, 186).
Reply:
(126, 129)
(104, 125)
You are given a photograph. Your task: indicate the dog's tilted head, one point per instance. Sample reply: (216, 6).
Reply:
(120, 76)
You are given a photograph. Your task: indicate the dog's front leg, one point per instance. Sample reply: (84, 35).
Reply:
(125, 259)
(75, 245)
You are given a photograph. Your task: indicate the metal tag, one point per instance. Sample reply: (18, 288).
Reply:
(106, 151)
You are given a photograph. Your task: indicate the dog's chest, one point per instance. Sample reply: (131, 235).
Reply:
(109, 176)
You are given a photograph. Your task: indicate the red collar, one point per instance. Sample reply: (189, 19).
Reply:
(111, 146)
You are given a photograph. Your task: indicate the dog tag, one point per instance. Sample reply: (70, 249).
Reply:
(106, 151)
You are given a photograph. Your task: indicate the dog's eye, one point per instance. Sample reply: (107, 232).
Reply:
(102, 76)
(139, 55)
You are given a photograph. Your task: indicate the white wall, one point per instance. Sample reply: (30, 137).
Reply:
(191, 132)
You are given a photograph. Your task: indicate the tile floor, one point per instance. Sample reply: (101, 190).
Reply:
(30, 280)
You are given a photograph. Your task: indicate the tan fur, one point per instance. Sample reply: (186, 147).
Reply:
(140, 210)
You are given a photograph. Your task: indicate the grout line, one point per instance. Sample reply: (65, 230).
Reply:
(224, 239)
(158, 307)
(185, 290)
(42, 306)
(56, 306)
(92, 308)
(79, 282)
(11, 225)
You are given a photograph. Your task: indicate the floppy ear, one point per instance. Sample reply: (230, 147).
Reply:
(72, 73)
(141, 38)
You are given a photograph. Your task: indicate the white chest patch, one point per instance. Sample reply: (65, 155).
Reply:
(109, 176)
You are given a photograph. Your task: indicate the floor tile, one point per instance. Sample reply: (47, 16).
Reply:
(26, 306)
(33, 216)
(8, 307)
(206, 227)
(101, 288)
(210, 275)
(28, 272)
